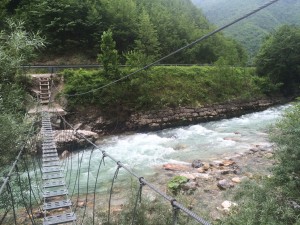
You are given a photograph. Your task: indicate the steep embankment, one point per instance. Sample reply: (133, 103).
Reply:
(164, 96)
(92, 118)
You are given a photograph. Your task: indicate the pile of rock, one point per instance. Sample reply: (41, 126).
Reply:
(224, 173)
(71, 140)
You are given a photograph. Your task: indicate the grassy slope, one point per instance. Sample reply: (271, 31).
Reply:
(165, 87)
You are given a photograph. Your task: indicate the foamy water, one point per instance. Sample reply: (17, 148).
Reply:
(142, 152)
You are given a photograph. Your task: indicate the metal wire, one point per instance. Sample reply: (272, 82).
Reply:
(111, 191)
(138, 197)
(94, 205)
(22, 196)
(12, 201)
(87, 184)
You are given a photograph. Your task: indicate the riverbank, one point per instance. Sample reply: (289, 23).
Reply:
(92, 119)
(212, 183)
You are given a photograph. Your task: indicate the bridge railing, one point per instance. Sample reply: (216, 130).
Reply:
(19, 199)
(85, 181)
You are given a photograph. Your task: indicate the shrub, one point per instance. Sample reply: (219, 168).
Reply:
(175, 184)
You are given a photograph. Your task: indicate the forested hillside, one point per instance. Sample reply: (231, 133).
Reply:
(251, 32)
(155, 28)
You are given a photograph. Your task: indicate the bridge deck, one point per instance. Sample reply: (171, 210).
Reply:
(54, 185)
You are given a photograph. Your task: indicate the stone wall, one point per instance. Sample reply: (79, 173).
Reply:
(156, 120)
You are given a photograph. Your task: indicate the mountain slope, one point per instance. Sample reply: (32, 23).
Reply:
(250, 32)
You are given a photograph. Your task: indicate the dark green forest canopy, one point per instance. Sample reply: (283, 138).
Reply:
(279, 58)
(251, 32)
(72, 26)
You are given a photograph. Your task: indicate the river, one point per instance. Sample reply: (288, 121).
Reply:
(145, 152)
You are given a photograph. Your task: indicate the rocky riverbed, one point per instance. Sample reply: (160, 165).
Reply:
(211, 184)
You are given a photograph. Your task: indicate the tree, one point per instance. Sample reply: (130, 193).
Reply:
(121, 18)
(147, 40)
(16, 47)
(67, 24)
(109, 56)
(279, 58)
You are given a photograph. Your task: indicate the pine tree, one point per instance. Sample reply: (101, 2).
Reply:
(109, 56)
(147, 41)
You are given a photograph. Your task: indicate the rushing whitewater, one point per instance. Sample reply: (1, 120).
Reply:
(142, 152)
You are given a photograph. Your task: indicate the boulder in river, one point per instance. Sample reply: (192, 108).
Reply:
(69, 139)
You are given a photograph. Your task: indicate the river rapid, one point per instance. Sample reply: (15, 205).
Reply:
(145, 152)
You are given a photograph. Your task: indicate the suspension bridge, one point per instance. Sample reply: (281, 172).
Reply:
(44, 189)
(48, 189)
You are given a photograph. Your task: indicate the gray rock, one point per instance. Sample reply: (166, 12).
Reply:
(189, 187)
(197, 164)
(224, 184)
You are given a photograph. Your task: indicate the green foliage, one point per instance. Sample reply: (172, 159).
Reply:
(12, 99)
(164, 86)
(261, 203)
(66, 24)
(148, 212)
(279, 58)
(274, 200)
(83, 81)
(287, 139)
(109, 56)
(152, 28)
(252, 31)
(16, 47)
(175, 184)
(113, 100)
(147, 42)
(121, 16)
(136, 58)
(10, 138)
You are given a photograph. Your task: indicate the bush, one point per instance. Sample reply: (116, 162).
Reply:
(175, 184)
(287, 139)
(163, 86)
